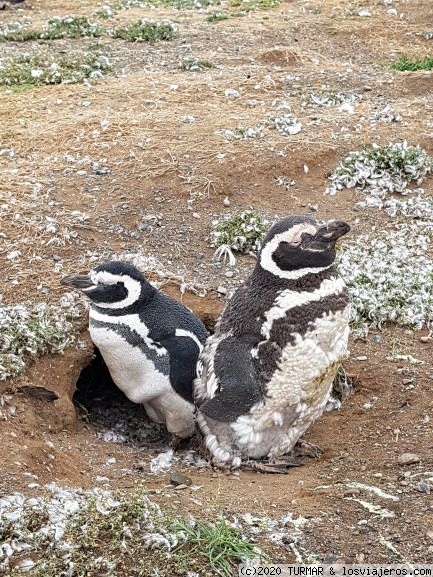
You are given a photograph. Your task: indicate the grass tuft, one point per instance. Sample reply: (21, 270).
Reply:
(195, 64)
(143, 31)
(404, 63)
(219, 543)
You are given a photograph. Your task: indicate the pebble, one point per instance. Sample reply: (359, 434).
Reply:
(222, 290)
(426, 339)
(424, 487)
(377, 338)
(429, 535)
(179, 479)
(226, 201)
(229, 274)
(180, 487)
(233, 477)
(143, 226)
(361, 358)
(408, 459)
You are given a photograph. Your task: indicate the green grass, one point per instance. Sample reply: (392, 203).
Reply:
(407, 64)
(195, 64)
(42, 69)
(143, 31)
(221, 545)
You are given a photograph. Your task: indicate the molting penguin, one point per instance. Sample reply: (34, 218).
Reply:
(149, 341)
(266, 373)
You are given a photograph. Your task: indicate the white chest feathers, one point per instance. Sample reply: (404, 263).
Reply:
(137, 365)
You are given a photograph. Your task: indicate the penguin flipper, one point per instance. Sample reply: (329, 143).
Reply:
(183, 353)
(238, 386)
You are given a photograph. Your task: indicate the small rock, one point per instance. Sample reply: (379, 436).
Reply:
(179, 479)
(195, 215)
(361, 358)
(229, 274)
(143, 226)
(429, 535)
(408, 459)
(426, 339)
(181, 487)
(222, 290)
(56, 258)
(424, 487)
(233, 477)
(26, 564)
(364, 13)
(226, 201)
(377, 339)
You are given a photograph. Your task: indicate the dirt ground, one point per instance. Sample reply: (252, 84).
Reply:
(174, 174)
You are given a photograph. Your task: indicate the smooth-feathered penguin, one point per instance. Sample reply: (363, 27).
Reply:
(266, 373)
(149, 341)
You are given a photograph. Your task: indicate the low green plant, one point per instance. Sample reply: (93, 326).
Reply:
(217, 17)
(195, 64)
(42, 69)
(404, 63)
(143, 31)
(382, 169)
(71, 27)
(249, 5)
(30, 330)
(241, 232)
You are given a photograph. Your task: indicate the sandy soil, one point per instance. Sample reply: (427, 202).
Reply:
(174, 175)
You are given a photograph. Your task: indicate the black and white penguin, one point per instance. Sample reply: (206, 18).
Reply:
(266, 373)
(149, 341)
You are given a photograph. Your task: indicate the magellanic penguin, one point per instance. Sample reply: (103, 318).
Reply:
(149, 341)
(266, 373)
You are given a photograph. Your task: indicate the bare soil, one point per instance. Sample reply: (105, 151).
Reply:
(175, 175)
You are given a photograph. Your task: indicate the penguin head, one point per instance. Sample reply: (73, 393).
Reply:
(113, 285)
(299, 245)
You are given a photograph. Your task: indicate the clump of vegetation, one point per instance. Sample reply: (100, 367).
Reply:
(18, 32)
(217, 17)
(331, 98)
(71, 27)
(143, 31)
(189, 4)
(407, 64)
(90, 531)
(67, 27)
(41, 69)
(249, 5)
(382, 169)
(195, 64)
(240, 232)
(389, 278)
(28, 331)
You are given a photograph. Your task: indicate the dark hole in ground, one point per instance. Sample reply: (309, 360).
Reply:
(102, 404)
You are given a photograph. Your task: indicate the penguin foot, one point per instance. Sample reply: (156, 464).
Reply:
(272, 467)
(305, 449)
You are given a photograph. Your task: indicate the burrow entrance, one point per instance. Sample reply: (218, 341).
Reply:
(116, 419)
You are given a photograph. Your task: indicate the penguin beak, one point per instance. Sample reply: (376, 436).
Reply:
(331, 231)
(78, 281)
